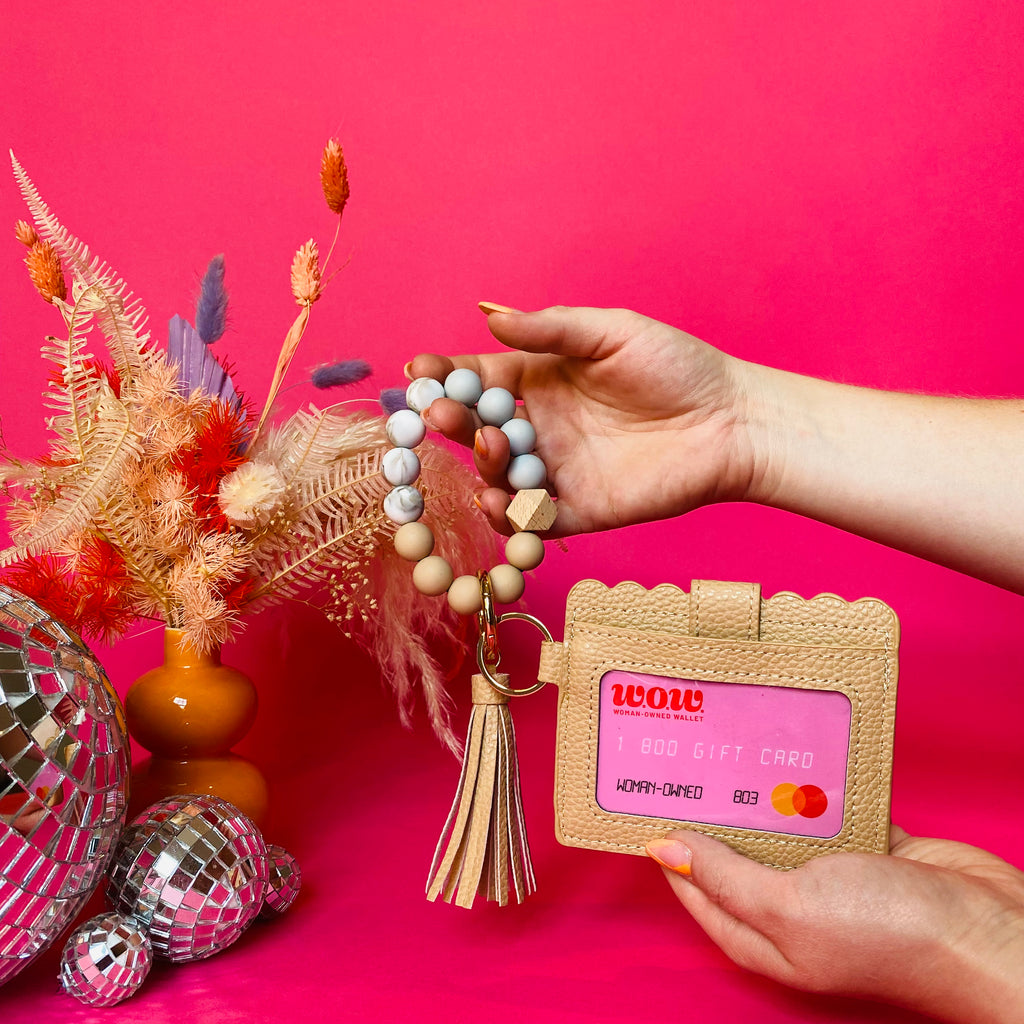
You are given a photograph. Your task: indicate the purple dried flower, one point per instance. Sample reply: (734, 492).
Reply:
(348, 371)
(212, 307)
(393, 399)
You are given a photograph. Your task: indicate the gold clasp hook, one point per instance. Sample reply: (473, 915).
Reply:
(487, 623)
(487, 666)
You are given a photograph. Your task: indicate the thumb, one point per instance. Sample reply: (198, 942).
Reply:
(728, 895)
(581, 332)
(741, 887)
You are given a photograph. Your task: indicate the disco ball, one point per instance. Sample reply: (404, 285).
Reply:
(64, 764)
(193, 872)
(105, 960)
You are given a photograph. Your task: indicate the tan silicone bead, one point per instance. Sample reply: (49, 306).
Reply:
(464, 595)
(507, 584)
(524, 550)
(432, 575)
(414, 541)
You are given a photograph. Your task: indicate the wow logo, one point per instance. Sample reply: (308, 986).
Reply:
(807, 801)
(657, 698)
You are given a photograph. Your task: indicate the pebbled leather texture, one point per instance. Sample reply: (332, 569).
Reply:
(725, 632)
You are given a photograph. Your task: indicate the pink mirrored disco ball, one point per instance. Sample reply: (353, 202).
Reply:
(64, 765)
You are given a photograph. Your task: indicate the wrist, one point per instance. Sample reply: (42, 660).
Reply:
(761, 444)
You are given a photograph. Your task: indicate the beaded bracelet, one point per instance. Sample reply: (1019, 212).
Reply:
(483, 848)
(531, 509)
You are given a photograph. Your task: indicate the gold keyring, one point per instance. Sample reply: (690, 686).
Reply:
(486, 668)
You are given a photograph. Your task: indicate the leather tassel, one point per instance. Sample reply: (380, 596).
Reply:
(483, 848)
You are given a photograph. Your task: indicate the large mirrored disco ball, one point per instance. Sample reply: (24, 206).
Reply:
(64, 765)
(193, 872)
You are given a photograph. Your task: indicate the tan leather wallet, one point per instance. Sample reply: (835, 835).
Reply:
(708, 642)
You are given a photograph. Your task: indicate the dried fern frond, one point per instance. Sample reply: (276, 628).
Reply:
(311, 440)
(121, 317)
(334, 549)
(83, 486)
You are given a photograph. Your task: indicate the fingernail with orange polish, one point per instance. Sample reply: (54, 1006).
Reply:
(407, 370)
(480, 445)
(495, 307)
(671, 854)
(476, 501)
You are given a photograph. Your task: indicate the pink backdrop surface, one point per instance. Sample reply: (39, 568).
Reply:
(831, 188)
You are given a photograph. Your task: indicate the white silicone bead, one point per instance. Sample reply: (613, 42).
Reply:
(496, 406)
(522, 438)
(523, 550)
(403, 504)
(405, 429)
(421, 392)
(507, 584)
(526, 472)
(432, 575)
(464, 386)
(464, 595)
(414, 541)
(400, 466)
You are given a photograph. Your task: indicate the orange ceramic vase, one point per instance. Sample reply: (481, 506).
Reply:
(188, 713)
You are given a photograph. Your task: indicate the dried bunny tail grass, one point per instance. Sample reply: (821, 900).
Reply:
(406, 625)
(306, 274)
(334, 177)
(45, 271)
(25, 233)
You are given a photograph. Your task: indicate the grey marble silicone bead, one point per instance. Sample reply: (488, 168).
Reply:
(522, 438)
(403, 504)
(526, 472)
(464, 386)
(422, 391)
(405, 429)
(400, 466)
(496, 406)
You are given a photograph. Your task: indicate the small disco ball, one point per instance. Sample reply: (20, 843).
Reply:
(105, 960)
(193, 872)
(64, 761)
(284, 885)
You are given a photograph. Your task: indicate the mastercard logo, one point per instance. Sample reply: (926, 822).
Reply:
(790, 799)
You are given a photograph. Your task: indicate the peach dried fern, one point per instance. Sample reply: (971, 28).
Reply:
(121, 317)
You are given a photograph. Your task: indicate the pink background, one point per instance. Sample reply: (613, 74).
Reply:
(831, 188)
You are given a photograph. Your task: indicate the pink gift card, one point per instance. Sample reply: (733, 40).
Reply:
(771, 758)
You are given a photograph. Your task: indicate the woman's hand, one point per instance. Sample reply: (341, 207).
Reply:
(639, 421)
(938, 926)
(635, 420)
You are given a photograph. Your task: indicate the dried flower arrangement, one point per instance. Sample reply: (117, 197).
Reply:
(163, 496)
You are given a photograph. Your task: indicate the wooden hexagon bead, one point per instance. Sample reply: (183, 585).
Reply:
(532, 510)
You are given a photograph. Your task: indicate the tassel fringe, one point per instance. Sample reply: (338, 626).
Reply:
(483, 848)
